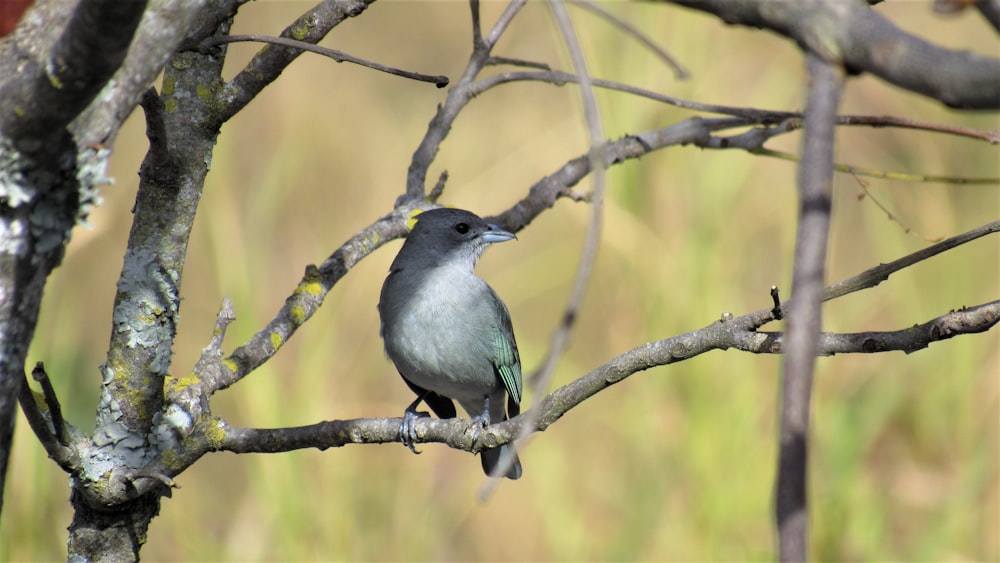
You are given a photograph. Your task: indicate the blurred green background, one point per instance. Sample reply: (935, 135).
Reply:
(676, 463)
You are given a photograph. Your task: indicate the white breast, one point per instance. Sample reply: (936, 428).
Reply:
(440, 341)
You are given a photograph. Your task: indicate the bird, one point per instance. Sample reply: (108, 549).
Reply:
(448, 333)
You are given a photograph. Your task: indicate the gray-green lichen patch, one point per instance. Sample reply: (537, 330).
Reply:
(108, 409)
(92, 167)
(13, 240)
(114, 446)
(54, 186)
(149, 309)
(15, 188)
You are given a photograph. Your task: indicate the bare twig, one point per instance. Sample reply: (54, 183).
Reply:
(458, 96)
(804, 318)
(503, 22)
(967, 320)
(265, 66)
(873, 173)
(597, 161)
(477, 27)
(338, 56)
(307, 297)
(498, 61)
(867, 194)
(679, 71)
(541, 379)
(761, 116)
(874, 276)
(776, 299)
(55, 409)
(58, 448)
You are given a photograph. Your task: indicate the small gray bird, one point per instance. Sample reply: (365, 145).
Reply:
(446, 330)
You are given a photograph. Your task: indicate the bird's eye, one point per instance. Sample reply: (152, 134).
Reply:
(462, 228)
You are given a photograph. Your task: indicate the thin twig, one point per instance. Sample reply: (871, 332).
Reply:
(866, 194)
(503, 22)
(55, 409)
(560, 338)
(498, 61)
(477, 29)
(679, 71)
(874, 276)
(458, 96)
(66, 456)
(885, 175)
(761, 116)
(542, 377)
(338, 56)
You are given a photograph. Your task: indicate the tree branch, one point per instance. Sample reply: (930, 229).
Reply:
(851, 34)
(43, 422)
(789, 119)
(269, 62)
(45, 89)
(460, 94)
(815, 181)
(51, 68)
(338, 56)
(163, 27)
(204, 434)
(738, 333)
(878, 274)
(627, 28)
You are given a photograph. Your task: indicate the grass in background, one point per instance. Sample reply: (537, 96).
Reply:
(674, 464)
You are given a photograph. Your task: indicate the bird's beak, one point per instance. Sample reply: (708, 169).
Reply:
(495, 233)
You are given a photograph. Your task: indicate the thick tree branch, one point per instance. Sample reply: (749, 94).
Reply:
(182, 127)
(45, 89)
(53, 117)
(851, 34)
(162, 28)
(815, 182)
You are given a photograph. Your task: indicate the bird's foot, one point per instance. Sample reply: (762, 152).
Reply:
(407, 428)
(478, 423)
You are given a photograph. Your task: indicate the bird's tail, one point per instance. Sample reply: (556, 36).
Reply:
(494, 459)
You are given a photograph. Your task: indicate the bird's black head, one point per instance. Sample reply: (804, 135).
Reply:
(445, 233)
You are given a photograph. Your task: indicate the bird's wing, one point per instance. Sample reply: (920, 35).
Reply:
(505, 358)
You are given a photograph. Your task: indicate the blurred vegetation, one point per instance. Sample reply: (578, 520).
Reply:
(673, 464)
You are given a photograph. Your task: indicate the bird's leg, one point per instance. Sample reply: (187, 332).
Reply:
(407, 429)
(477, 423)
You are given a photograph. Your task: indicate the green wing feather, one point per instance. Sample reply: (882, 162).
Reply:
(505, 358)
